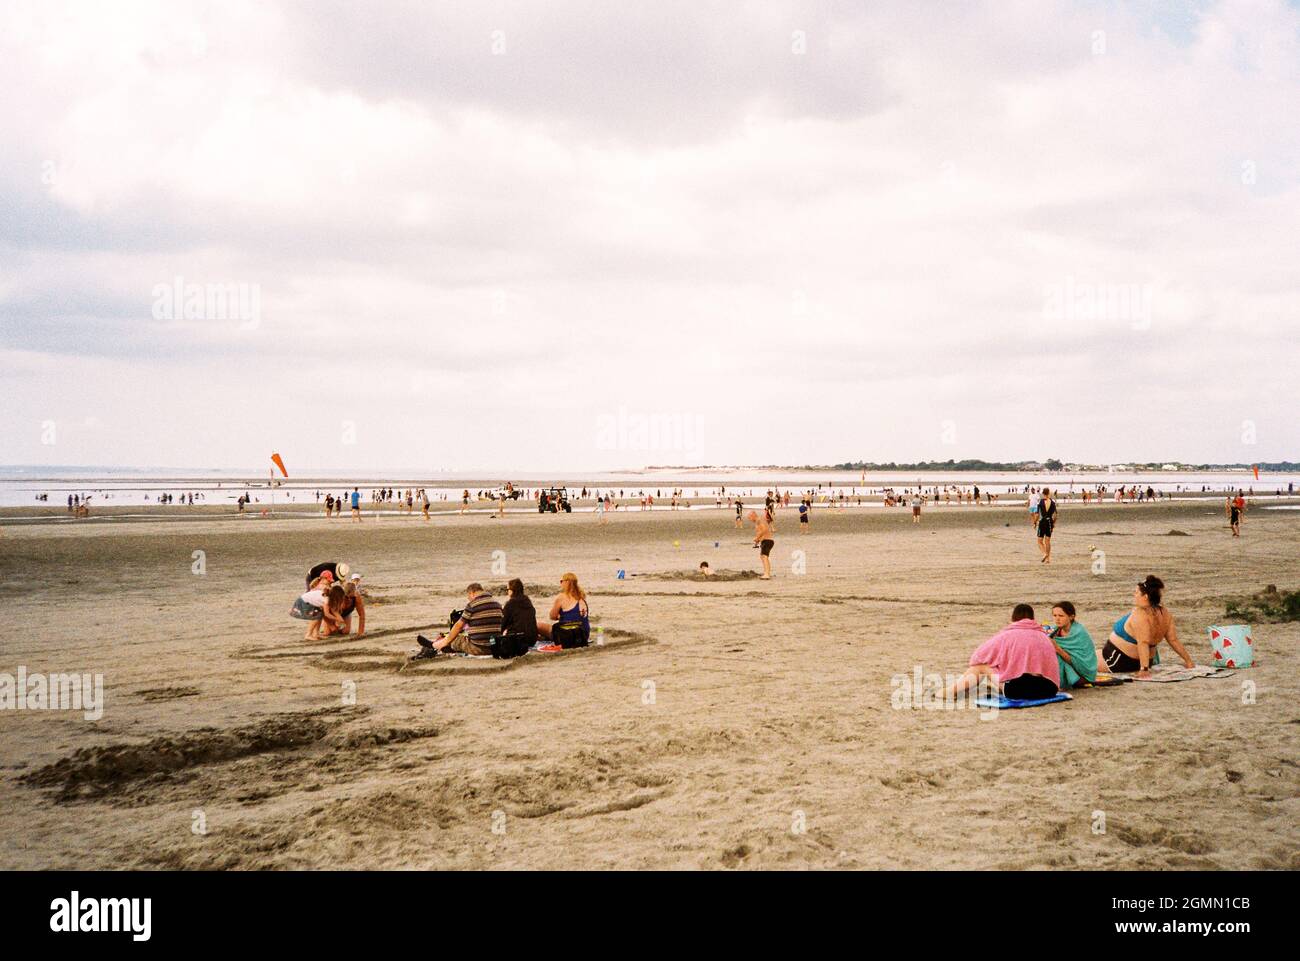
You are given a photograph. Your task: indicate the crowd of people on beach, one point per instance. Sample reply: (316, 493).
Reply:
(1026, 660)
(1031, 661)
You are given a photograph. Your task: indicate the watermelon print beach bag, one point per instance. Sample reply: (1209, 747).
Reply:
(1233, 645)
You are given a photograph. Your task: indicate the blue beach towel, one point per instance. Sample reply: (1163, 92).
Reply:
(1010, 703)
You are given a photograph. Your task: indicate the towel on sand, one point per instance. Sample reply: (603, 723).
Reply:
(1163, 673)
(1107, 680)
(1009, 703)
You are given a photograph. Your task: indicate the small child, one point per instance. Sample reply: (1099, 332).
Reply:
(310, 606)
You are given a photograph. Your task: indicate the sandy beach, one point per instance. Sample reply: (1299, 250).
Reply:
(729, 723)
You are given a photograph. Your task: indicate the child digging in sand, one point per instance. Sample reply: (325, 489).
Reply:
(319, 605)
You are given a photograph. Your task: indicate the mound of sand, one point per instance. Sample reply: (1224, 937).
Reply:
(722, 575)
(100, 771)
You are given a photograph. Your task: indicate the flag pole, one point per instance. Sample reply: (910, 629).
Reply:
(272, 486)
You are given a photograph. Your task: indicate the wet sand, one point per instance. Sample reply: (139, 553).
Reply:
(730, 723)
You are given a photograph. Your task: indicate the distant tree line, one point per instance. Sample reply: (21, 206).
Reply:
(934, 465)
(1051, 463)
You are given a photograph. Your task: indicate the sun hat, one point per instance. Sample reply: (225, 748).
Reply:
(343, 571)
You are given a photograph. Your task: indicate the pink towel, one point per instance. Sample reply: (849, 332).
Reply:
(1019, 648)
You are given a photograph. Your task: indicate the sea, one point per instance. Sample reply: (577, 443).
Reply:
(135, 487)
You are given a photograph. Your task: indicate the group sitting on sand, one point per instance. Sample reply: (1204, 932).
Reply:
(484, 628)
(1028, 662)
(333, 595)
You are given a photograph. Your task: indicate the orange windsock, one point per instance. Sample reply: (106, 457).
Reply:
(275, 459)
(1256, 472)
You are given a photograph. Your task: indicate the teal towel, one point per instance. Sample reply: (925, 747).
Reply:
(1083, 656)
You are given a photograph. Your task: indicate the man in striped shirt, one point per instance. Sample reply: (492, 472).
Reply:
(479, 622)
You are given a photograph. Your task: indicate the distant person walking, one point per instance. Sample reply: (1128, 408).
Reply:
(916, 508)
(1046, 523)
(356, 505)
(1236, 507)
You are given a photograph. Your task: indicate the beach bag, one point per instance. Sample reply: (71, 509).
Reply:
(569, 634)
(510, 645)
(1233, 645)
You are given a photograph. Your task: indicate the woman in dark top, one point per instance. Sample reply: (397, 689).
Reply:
(338, 573)
(568, 614)
(520, 621)
(1046, 521)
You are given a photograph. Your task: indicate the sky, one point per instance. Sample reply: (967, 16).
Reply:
(588, 235)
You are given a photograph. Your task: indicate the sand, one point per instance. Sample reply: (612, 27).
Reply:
(730, 723)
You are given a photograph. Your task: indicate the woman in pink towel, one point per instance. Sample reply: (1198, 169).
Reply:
(1020, 659)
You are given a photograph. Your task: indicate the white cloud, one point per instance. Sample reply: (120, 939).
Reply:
(825, 255)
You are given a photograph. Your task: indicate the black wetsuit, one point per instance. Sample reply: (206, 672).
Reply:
(1046, 518)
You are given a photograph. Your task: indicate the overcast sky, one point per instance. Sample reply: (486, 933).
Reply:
(536, 236)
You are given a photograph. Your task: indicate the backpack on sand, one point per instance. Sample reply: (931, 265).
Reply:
(507, 646)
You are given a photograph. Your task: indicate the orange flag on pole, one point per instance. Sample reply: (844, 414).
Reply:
(1256, 472)
(275, 459)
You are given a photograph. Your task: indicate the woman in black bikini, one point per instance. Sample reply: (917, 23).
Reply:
(1046, 521)
(1133, 642)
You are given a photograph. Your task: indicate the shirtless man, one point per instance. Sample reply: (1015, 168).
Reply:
(763, 540)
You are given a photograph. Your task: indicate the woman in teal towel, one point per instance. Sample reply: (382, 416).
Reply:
(1075, 653)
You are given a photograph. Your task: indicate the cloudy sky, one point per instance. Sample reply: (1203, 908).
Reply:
(567, 235)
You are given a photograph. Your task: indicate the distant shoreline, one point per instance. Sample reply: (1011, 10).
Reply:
(661, 472)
